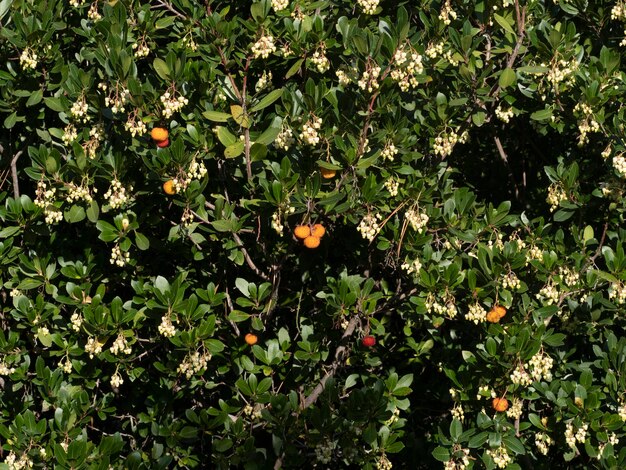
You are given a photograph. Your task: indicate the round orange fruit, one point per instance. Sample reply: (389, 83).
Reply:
(500, 404)
(163, 143)
(327, 174)
(251, 338)
(496, 313)
(159, 134)
(318, 230)
(168, 187)
(311, 242)
(302, 231)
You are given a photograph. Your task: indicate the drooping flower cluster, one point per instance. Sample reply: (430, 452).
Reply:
(120, 345)
(117, 97)
(458, 463)
(617, 292)
(504, 115)
(587, 123)
(406, 66)
(447, 306)
(77, 193)
(572, 437)
(324, 452)
(309, 132)
(264, 47)
(445, 142)
(515, 410)
(368, 6)
(265, 81)
(172, 103)
(28, 59)
(118, 257)
(476, 313)
(6, 370)
(45, 200)
(66, 365)
(389, 151)
(417, 219)
(284, 139)
(320, 60)
(543, 442)
(194, 363)
(166, 328)
(369, 226)
(520, 376)
(412, 267)
(548, 294)
(96, 136)
(196, 171)
(619, 163)
(511, 281)
(277, 217)
(70, 134)
(79, 109)
(13, 463)
(116, 195)
(135, 125)
(447, 13)
(500, 456)
(279, 5)
(93, 347)
(76, 321)
(141, 49)
(556, 194)
(369, 78)
(116, 380)
(392, 185)
(93, 14)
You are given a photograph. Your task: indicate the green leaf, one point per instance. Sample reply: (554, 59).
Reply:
(142, 241)
(54, 104)
(504, 23)
(513, 444)
(35, 98)
(239, 115)
(225, 137)
(507, 78)
(161, 68)
(542, 115)
(441, 453)
(216, 116)
(234, 150)
(267, 100)
(74, 214)
(294, 68)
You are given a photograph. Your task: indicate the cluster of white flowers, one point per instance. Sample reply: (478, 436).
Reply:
(369, 226)
(587, 124)
(166, 328)
(252, 411)
(556, 194)
(511, 281)
(618, 12)
(572, 437)
(476, 313)
(6, 370)
(172, 103)
(77, 321)
(45, 200)
(447, 13)
(13, 463)
(284, 139)
(96, 136)
(277, 217)
(434, 49)
(619, 163)
(406, 67)
(548, 294)
(543, 442)
(320, 60)
(93, 14)
(120, 345)
(15, 292)
(194, 363)
(368, 6)
(344, 77)
(93, 347)
(118, 257)
(613, 440)
(392, 185)
(264, 81)
(28, 59)
(383, 463)
(485, 391)
(504, 115)
(534, 253)
(141, 49)
(117, 98)
(447, 306)
(77, 193)
(324, 452)
(455, 464)
(569, 276)
(279, 5)
(617, 292)
(520, 376)
(264, 47)
(500, 456)
(457, 412)
(412, 267)
(77, 3)
(395, 416)
(541, 367)
(562, 71)
(134, 125)
(196, 171)
(369, 79)
(515, 410)
(621, 411)
(69, 134)
(417, 219)
(66, 365)
(309, 132)
(116, 194)
(389, 151)
(79, 109)
(116, 380)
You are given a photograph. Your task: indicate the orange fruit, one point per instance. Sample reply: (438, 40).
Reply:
(159, 134)
(302, 231)
(168, 187)
(496, 313)
(500, 404)
(311, 242)
(163, 143)
(318, 230)
(327, 174)
(251, 338)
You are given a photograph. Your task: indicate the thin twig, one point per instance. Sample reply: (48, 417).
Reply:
(340, 353)
(16, 185)
(506, 162)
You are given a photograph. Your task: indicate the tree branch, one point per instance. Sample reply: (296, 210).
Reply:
(340, 353)
(16, 184)
(506, 162)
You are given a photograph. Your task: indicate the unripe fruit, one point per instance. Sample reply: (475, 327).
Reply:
(159, 134)
(302, 231)
(168, 187)
(311, 242)
(368, 341)
(318, 230)
(251, 338)
(496, 313)
(500, 404)
(163, 144)
(327, 174)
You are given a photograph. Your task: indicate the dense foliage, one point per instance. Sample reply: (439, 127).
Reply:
(464, 307)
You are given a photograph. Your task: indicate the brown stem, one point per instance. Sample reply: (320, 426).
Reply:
(16, 184)
(506, 162)
(340, 353)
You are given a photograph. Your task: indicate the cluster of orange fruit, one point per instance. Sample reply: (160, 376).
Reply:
(500, 404)
(160, 135)
(310, 235)
(496, 313)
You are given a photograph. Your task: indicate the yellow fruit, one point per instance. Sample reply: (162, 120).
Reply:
(251, 338)
(168, 187)
(500, 404)
(302, 231)
(327, 174)
(159, 134)
(496, 313)
(318, 230)
(311, 242)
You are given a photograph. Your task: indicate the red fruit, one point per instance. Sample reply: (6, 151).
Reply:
(368, 341)
(163, 144)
